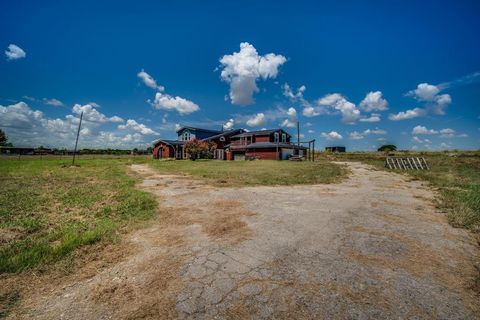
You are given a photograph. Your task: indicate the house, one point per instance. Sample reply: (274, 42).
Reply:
(234, 144)
(176, 148)
(272, 144)
(335, 149)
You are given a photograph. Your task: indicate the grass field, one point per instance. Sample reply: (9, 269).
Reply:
(456, 175)
(48, 209)
(249, 173)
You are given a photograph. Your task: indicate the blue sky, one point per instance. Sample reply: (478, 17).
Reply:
(354, 73)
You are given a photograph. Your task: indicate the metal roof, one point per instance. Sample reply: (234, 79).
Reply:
(260, 132)
(262, 145)
(225, 133)
(171, 142)
(197, 129)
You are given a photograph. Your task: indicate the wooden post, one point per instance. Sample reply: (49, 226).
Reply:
(76, 141)
(313, 149)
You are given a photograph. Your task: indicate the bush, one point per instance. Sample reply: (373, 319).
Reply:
(198, 149)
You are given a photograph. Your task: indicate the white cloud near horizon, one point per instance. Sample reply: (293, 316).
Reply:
(229, 125)
(257, 120)
(243, 69)
(137, 127)
(26, 127)
(332, 135)
(14, 52)
(355, 135)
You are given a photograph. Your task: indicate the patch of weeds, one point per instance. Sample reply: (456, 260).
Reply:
(52, 209)
(7, 302)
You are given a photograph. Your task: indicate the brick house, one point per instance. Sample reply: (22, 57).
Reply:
(234, 144)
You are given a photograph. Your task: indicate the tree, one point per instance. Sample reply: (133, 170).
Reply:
(196, 148)
(387, 148)
(3, 139)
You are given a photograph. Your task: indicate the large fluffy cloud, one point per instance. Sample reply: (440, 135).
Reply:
(374, 101)
(14, 52)
(243, 69)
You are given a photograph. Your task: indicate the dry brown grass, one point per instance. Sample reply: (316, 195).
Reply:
(421, 260)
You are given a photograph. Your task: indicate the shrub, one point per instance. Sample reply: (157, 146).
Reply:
(198, 149)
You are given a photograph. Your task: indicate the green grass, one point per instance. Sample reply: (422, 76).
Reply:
(456, 175)
(250, 173)
(48, 209)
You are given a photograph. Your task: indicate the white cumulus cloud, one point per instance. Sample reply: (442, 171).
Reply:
(374, 117)
(374, 101)
(14, 52)
(167, 102)
(408, 114)
(229, 124)
(332, 135)
(256, 120)
(242, 70)
(350, 113)
(428, 94)
(289, 123)
(137, 127)
(418, 130)
(355, 135)
(149, 81)
(53, 102)
(164, 101)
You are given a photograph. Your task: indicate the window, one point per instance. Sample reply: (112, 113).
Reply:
(275, 136)
(284, 137)
(186, 136)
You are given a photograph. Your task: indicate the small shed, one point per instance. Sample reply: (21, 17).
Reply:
(335, 149)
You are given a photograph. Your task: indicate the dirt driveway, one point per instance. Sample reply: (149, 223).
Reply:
(373, 246)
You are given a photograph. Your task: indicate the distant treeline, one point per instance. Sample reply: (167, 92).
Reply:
(55, 151)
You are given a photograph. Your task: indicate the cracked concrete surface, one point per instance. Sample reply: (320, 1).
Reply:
(372, 246)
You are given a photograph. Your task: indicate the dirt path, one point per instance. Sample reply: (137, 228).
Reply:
(372, 246)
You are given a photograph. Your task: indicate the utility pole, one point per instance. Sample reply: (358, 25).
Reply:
(298, 137)
(76, 141)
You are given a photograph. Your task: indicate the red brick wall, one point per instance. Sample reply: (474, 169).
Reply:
(166, 151)
(264, 154)
(262, 138)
